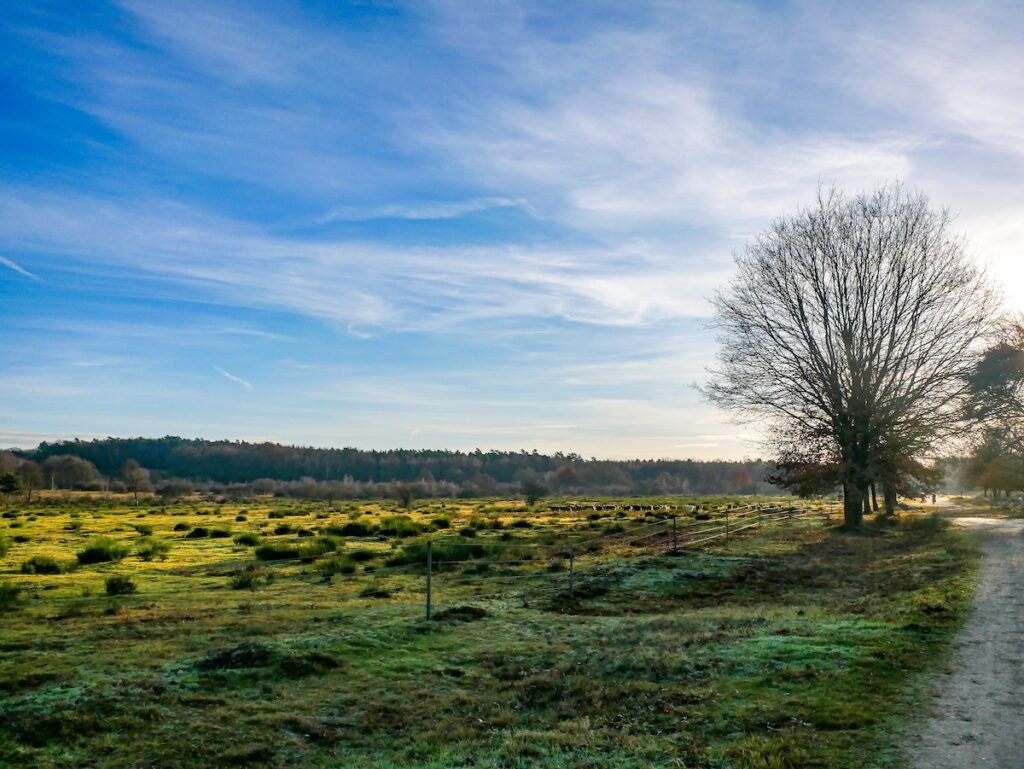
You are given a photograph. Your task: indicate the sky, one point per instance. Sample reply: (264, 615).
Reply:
(451, 224)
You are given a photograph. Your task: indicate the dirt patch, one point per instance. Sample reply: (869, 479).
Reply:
(977, 718)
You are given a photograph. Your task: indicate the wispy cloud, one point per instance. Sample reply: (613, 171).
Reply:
(493, 215)
(18, 268)
(232, 378)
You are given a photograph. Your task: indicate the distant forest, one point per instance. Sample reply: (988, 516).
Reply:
(178, 465)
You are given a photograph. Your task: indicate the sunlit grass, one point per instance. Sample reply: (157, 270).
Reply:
(787, 647)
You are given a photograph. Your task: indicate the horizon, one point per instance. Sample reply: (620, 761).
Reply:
(744, 459)
(449, 226)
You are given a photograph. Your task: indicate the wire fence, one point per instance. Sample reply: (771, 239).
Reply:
(551, 568)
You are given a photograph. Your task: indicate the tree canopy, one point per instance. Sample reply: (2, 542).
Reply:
(850, 330)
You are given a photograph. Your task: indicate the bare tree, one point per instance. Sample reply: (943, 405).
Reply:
(30, 477)
(136, 478)
(850, 329)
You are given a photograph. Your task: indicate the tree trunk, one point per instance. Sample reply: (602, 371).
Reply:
(853, 506)
(874, 497)
(889, 495)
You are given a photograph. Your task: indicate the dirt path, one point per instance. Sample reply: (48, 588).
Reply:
(978, 718)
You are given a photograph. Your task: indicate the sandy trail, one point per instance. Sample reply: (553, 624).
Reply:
(977, 719)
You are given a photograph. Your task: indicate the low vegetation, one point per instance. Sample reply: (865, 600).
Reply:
(789, 646)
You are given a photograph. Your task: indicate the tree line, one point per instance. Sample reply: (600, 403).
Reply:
(175, 466)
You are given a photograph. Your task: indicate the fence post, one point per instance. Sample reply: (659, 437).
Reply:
(727, 523)
(675, 545)
(572, 570)
(430, 563)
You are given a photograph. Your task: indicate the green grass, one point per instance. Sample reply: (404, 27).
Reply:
(793, 646)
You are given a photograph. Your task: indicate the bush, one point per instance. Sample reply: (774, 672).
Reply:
(352, 529)
(248, 539)
(416, 553)
(400, 526)
(522, 523)
(245, 580)
(119, 584)
(328, 542)
(240, 518)
(144, 529)
(153, 548)
(199, 532)
(101, 550)
(441, 523)
(220, 533)
(276, 552)
(283, 528)
(5, 546)
(181, 526)
(9, 594)
(362, 554)
(331, 566)
(41, 564)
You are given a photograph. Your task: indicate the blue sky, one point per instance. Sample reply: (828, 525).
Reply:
(450, 224)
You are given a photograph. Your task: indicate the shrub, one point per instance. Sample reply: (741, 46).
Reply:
(220, 533)
(441, 523)
(276, 552)
(181, 526)
(416, 553)
(150, 548)
(22, 538)
(119, 584)
(361, 555)
(75, 526)
(41, 564)
(240, 518)
(399, 525)
(101, 550)
(248, 539)
(9, 594)
(328, 542)
(283, 528)
(353, 529)
(522, 523)
(144, 529)
(331, 566)
(199, 532)
(5, 546)
(245, 580)
(319, 546)
(467, 531)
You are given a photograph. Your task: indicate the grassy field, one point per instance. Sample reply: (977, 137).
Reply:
(790, 645)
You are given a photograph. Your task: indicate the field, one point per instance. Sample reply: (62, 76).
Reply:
(275, 633)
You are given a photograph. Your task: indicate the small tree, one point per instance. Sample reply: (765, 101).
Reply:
(8, 484)
(405, 493)
(533, 491)
(136, 478)
(30, 477)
